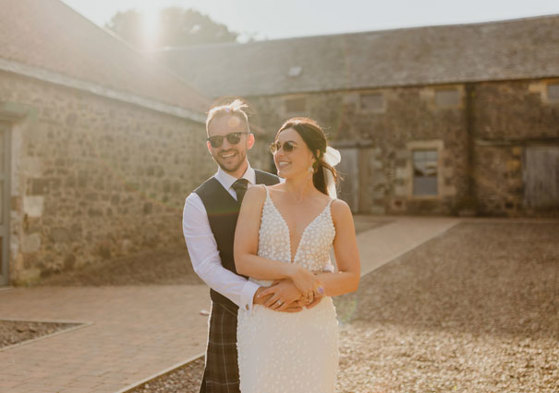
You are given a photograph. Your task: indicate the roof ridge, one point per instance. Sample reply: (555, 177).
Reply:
(357, 33)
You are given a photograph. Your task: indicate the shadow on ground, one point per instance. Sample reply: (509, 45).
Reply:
(158, 267)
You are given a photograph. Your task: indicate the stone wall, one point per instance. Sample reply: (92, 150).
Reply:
(509, 118)
(480, 132)
(92, 178)
(385, 137)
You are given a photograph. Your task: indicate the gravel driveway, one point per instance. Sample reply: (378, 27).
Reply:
(476, 310)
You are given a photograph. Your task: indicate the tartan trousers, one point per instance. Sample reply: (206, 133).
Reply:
(221, 372)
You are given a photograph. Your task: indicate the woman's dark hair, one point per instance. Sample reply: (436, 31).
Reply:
(315, 139)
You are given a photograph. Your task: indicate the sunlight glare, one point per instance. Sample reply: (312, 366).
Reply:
(150, 18)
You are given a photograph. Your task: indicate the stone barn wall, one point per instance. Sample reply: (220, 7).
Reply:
(481, 132)
(385, 133)
(93, 178)
(510, 119)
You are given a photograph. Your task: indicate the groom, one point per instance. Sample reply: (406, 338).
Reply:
(209, 219)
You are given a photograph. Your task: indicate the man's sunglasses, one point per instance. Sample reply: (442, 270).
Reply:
(287, 147)
(233, 138)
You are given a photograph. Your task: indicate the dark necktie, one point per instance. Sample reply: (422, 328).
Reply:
(240, 187)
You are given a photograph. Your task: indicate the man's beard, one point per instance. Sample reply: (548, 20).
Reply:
(242, 158)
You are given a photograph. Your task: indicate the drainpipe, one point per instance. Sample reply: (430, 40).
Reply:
(470, 201)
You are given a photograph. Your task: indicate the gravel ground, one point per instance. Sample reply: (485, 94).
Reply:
(14, 332)
(475, 310)
(185, 379)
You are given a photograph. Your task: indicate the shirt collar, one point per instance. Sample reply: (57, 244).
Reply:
(227, 180)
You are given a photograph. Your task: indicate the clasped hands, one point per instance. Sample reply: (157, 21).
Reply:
(302, 290)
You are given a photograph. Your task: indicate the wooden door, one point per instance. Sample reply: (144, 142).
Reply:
(541, 177)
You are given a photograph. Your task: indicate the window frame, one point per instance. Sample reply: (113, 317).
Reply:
(457, 89)
(548, 98)
(292, 113)
(381, 109)
(431, 145)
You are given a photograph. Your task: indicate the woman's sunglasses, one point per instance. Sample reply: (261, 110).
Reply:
(287, 147)
(233, 138)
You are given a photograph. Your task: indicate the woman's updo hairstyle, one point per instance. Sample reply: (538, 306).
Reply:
(315, 139)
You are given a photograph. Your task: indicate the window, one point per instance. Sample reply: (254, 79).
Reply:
(295, 105)
(447, 98)
(295, 71)
(425, 172)
(553, 92)
(372, 102)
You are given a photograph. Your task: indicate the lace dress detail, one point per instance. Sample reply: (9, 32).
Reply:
(290, 352)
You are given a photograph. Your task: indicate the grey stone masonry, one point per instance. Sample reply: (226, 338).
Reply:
(93, 178)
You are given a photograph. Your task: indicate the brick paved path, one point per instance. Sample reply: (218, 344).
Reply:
(134, 332)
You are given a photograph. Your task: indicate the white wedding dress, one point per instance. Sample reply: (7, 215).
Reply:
(290, 352)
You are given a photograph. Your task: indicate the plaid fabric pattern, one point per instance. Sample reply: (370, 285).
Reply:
(221, 373)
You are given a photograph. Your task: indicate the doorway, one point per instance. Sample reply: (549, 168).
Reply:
(541, 177)
(355, 170)
(4, 201)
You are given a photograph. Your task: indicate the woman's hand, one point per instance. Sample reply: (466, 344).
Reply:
(306, 282)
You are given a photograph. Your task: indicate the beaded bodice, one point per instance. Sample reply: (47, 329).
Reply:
(313, 250)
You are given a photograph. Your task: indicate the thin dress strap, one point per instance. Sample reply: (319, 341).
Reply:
(267, 192)
(329, 207)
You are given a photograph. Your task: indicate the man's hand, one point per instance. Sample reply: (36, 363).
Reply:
(283, 295)
(315, 301)
(295, 306)
(261, 299)
(258, 298)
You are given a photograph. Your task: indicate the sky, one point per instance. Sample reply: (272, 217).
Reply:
(272, 19)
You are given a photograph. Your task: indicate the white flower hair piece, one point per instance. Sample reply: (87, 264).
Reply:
(332, 157)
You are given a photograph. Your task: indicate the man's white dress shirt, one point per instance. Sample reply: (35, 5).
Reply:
(202, 246)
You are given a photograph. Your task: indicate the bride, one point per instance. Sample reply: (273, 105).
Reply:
(285, 232)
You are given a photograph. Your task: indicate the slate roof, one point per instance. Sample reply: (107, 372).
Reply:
(514, 49)
(49, 35)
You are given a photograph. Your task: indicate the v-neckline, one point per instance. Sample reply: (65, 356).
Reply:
(293, 257)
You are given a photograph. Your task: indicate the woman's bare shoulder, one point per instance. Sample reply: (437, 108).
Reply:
(340, 209)
(257, 191)
(276, 188)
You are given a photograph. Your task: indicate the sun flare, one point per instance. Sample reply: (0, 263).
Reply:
(150, 20)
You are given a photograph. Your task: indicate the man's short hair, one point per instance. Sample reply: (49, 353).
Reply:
(236, 108)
